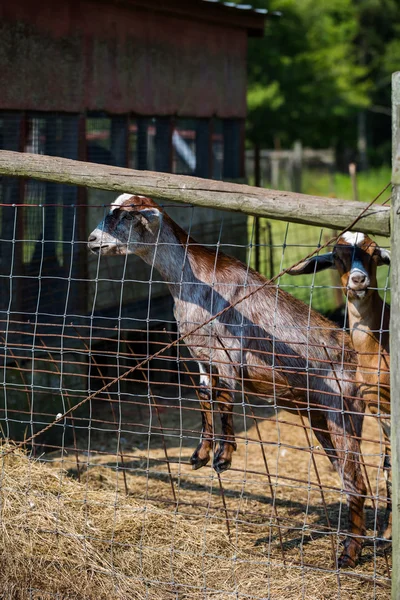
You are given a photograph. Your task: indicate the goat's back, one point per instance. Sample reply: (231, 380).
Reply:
(269, 340)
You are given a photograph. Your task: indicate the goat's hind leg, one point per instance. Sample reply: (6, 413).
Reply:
(227, 445)
(386, 532)
(201, 456)
(347, 446)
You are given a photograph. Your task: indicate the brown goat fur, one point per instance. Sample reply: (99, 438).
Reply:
(270, 345)
(356, 257)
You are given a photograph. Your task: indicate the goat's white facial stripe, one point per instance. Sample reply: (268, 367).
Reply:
(354, 238)
(121, 199)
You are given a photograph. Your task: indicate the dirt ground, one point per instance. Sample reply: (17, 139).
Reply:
(283, 531)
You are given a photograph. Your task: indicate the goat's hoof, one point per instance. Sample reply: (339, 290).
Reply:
(386, 535)
(386, 531)
(221, 464)
(350, 556)
(345, 561)
(223, 456)
(198, 462)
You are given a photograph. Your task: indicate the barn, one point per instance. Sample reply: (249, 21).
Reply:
(146, 84)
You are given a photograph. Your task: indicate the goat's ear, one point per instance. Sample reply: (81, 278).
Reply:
(383, 256)
(313, 265)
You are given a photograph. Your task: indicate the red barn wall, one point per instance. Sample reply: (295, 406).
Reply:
(74, 56)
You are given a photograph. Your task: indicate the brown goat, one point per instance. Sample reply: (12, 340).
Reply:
(356, 257)
(270, 344)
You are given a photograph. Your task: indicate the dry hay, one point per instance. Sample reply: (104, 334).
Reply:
(88, 540)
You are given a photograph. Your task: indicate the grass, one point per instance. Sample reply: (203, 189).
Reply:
(283, 244)
(369, 184)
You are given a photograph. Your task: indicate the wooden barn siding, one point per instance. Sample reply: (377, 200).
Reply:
(74, 56)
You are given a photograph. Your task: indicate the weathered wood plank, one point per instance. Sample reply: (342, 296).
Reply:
(395, 343)
(287, 206)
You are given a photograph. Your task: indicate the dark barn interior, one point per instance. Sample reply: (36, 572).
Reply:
(142, 84)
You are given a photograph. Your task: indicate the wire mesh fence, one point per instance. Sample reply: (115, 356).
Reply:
(173, 425)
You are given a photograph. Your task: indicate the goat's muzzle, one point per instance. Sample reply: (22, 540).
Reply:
(95, 244)
(358, 283)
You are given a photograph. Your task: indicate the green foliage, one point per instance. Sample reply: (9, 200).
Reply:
(391, 57)
(304, 76)
(317, 67)
(260, 95)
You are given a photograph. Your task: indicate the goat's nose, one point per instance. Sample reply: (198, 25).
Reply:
(92, 238)
(358, 278)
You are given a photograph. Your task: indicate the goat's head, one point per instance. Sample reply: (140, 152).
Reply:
(356, 258)
(132, 224)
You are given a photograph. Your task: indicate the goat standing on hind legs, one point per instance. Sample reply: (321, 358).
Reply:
(357, 257)
(271, 343)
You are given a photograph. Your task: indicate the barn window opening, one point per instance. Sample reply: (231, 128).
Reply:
(217, 149)
(133, 144)
(46, 224)
(184, 147)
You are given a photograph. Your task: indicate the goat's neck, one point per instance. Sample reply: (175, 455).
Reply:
(173, 257)
(367, 318)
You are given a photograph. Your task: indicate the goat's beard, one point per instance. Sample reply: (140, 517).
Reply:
(357, 294)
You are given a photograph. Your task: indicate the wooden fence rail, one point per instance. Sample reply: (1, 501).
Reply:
(288, 206)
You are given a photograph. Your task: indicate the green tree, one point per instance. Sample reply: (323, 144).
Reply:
(322, 74)
(378, 46)
(305, 76)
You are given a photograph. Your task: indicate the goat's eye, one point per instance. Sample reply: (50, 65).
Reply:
(337, 258)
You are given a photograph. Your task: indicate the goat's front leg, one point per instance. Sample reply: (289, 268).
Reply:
(227, 445)
(201, 455)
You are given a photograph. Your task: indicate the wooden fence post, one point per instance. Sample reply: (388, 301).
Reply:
(297, 165)
(395, 336)
(353, 177)
(257, 183)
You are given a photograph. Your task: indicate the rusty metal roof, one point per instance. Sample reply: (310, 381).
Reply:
(247, 7)
(222, 12)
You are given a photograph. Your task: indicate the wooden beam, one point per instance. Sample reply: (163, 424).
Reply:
(286, 206)
(395, 338)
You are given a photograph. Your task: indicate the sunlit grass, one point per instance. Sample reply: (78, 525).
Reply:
(369, 184)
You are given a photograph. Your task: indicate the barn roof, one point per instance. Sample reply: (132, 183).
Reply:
(246, 9)
(244, 6)
(242, 16)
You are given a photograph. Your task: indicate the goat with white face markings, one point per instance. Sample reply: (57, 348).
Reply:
(357, 257)
(271, 344)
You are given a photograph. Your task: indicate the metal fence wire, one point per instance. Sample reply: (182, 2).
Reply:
(210, 452)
